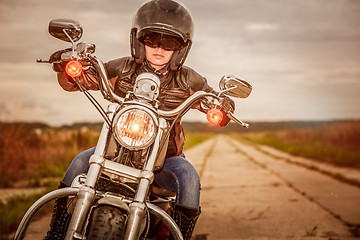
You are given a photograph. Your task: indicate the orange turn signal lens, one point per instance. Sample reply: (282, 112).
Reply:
(73, 68)
(214, 116)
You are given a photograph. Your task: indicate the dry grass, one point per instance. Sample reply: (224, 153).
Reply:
(28, 155)
(194, 138)
(336, 142)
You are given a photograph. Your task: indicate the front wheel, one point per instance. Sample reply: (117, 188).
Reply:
(107, 222)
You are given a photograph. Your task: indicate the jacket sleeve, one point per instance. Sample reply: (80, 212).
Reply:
(66, 82)
(90, 78)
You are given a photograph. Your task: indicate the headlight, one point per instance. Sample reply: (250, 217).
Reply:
(135, 128)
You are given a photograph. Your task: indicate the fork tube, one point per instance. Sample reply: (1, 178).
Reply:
(86, 195)
(84, 202)
(152, 158)
(138, 207)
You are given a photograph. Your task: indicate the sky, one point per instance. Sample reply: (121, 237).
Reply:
(302, 57)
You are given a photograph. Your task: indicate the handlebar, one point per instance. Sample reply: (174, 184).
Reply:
(109, 94)
(112, 97)
(194, 98)
(187, 103)
(104, 82)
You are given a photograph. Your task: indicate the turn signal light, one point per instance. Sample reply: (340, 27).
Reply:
(214, 116)
(73, 68)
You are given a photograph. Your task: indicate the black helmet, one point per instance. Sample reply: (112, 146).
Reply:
(165, 17)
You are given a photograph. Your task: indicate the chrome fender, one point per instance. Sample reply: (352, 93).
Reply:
(163, 216)
(114, 201)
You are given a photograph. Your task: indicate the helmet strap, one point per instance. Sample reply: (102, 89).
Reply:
(137, 48)
(162, 72)
(178, 57)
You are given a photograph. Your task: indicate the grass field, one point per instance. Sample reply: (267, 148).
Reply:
(337, 142)
(15, 208)
(194, 138)
(28, 157)
(32, 155)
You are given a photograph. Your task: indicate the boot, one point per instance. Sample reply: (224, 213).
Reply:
(60, 218)
(186, 219)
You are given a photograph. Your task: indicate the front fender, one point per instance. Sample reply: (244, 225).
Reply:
(163, 216)
(114, 201)
(63, 192)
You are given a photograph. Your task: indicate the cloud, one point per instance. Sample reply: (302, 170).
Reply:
(23, 73)
(25, 110)
(298, 53)
(258, 27)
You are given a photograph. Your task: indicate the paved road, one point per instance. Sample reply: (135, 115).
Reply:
(251, 193)
(247, 194)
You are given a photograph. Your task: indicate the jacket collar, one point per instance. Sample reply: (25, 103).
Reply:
(162, 72)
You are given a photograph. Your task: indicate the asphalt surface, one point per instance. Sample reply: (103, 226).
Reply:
(251, 194)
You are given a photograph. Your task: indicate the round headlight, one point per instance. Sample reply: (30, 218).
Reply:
(135, 128)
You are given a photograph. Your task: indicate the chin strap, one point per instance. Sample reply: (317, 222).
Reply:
(162, 72)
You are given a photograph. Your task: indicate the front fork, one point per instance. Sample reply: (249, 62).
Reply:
(86, 195)
(138, 207)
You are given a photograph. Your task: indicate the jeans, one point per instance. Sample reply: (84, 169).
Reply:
(178, 175)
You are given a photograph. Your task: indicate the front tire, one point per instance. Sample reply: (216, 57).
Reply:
(107, 222)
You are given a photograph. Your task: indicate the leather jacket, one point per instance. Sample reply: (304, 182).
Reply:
(175, 88)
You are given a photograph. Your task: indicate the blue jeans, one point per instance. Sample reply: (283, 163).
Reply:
(177, 175)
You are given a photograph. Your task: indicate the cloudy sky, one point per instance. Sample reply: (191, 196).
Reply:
(302, 57)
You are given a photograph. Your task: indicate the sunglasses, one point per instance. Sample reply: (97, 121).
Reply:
(166, 42)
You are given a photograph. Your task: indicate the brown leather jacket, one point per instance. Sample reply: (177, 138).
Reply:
(175, 88)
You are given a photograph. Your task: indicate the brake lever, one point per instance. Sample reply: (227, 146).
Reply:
(39, 60)
(238, 121)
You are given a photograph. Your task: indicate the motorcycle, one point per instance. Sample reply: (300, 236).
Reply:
(131, 147)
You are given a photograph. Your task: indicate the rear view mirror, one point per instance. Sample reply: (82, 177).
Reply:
(66, 29)
(233, 86)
